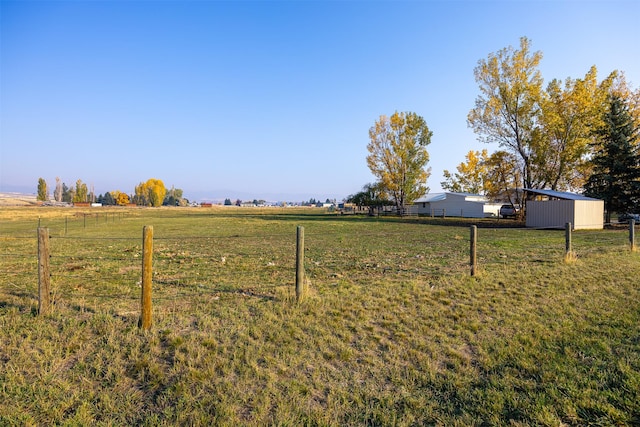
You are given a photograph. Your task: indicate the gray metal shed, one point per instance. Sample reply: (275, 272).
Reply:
(553, 209)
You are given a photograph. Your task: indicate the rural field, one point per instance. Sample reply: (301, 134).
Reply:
(392, 329)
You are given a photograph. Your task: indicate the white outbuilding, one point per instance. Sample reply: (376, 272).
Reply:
(464, 205)
(554, 209)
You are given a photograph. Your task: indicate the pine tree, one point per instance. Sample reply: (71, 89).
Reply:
(108, 199)
(67, 193)
(616, 163)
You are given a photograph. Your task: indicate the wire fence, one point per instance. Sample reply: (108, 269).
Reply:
(92, 271)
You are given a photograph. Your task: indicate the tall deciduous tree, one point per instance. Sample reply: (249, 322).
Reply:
(505, 177)
(619, 87)
(150, 193)
(57, 195)
(398, 156)
(82, 192)
(42, 190)
(616, 174)
(508, 105)
(568, 114)
(471, 176)
(174, 198)
(120, 199)
(548, 131)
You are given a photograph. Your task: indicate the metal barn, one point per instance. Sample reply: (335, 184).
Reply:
(553, 209)
(465, 205)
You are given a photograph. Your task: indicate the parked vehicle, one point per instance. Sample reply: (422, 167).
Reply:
(509, 211)
(626, 217)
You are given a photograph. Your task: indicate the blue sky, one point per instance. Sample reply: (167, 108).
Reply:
(264, 99)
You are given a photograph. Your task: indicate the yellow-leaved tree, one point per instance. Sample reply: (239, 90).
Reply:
(505, 177)
(507, 107)
(568, 114)
(120, 198)
(472, 175)
(42, 190)
(150, 193)
(398, 156)
(82, 192)
(621, 89)
(546, 132)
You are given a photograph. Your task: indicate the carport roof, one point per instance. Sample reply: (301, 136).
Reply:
(559, 194)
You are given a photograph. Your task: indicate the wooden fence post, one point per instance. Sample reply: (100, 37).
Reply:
(632, 234)
(568, 251)
(299, 263)
(44, 277)
(147, 277)
(473, 260)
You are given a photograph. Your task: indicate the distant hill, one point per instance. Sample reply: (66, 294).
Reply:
(17, 199)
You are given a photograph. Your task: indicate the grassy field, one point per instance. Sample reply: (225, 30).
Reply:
(392, 329)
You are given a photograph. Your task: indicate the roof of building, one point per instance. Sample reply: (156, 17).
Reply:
(559, 194)
(437, 197)
(431, 197)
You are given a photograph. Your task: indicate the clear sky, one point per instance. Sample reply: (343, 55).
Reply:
(265, 99)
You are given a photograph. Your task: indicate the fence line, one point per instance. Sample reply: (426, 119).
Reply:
(182, 239)
(166, 271)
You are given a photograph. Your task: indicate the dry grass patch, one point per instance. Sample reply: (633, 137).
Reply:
(392, 331)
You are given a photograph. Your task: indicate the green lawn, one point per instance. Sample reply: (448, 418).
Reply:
(392, 329)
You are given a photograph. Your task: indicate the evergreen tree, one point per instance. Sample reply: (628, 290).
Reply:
(616, 162)
(67, 193)
(108, 199)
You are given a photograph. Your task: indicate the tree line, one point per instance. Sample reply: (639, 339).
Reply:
(576, 135)
(150, 193)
